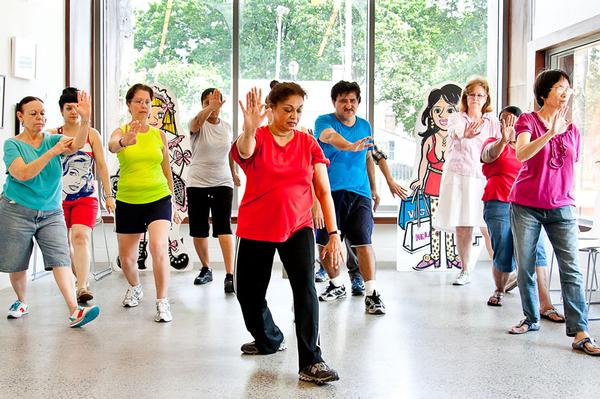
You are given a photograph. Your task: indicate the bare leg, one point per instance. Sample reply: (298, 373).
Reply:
(500, 279)
(80, 241)
(18, 280)
(366, 261)
(488, 242)
(464, 236)
(201, 245)
(64, 280)
(226, 243)
(128, 254)
(158, 243)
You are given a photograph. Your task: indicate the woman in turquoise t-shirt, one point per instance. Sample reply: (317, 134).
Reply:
(30, 205)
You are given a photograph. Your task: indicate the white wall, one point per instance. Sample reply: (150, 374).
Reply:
(553, 15)
(42, 21)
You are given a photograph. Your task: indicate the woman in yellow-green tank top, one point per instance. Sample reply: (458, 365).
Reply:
(143, 198)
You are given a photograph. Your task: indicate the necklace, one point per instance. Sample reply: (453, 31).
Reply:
(443, 138)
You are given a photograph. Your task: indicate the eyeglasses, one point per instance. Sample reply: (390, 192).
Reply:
(477, 96)
(563, 89)
(140, 102)
(558, 153)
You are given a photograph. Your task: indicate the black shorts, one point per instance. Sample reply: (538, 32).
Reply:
(135, 218)
(215, 201)
(354, 216)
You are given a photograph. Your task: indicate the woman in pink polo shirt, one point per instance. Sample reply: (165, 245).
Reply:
(542, 197)
(460, 208)
(281, 166)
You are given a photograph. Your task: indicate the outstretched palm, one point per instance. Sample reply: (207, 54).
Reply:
(253, 111)
(473, 129)
(84, 105)
(361, 144)
(559, 122)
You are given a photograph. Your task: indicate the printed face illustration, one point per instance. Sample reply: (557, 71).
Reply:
(440, 113)
(75, 175)
(155, 119)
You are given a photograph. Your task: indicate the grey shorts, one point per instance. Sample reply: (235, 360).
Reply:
(19, 225)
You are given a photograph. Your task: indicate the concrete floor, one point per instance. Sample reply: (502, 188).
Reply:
(436, 341)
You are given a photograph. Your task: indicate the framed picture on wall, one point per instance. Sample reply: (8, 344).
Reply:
(2, 94)
(23, 58)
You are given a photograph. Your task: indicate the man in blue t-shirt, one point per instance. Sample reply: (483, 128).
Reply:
(346, 141)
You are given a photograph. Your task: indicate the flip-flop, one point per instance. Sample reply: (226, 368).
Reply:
(496, 299)
(546, 315)
(530, 327)
(580, 346)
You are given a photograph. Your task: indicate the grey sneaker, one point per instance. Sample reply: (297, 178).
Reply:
(133, 296)
(204, 277)
(374, 304)
(319, 373)
(511, 283)
(163, 311)
(332, 293)
(462, 279)
(250, 348)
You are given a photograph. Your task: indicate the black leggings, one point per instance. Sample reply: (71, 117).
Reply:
(254, 261)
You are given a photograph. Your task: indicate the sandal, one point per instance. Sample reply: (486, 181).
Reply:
(584, 346)
(530, 327)
(553, 312)
(496, 299)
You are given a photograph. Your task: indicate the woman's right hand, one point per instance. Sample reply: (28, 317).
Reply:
(62, 146)
(472, 129)
(508, 128)
(415, 185)
(559, 122)
(253, 112)
(131, 132)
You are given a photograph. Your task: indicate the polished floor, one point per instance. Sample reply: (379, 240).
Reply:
(437, 341)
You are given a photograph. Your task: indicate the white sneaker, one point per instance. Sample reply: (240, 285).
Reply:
(163, 311)
(17, 310)
(133, 296)
(462, 279)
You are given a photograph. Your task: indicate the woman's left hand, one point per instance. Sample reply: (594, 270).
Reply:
(84, 105)
(333, 250)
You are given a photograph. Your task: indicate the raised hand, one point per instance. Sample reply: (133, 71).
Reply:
(508, 128)
(254, 112)
(361, 144)
(473, 129)
(215, 100)
(559, 122)
(84, 105)
(63, 145)
(131, 132)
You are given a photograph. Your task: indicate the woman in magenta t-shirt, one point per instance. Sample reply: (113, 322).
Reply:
(542, 196)
(500, 167)
(281, 165)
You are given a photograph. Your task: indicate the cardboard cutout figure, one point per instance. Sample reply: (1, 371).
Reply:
(420, 245)
(163, 116)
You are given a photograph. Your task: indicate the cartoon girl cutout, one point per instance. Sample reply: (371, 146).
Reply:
(441, 104)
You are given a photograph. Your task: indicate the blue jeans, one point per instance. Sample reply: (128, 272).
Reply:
(561, 226)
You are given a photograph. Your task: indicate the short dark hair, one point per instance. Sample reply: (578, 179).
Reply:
(206, 92)
(511, 109)
(27, 100)
(134, 89)
(544, 82)
(343, 87)
(283, 90)
(69, 95)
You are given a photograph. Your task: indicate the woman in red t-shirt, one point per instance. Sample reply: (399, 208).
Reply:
(281, 163)
(500, 167)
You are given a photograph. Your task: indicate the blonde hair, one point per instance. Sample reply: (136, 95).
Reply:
(477, 81)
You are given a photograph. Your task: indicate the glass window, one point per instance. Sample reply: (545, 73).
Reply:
(419, 44)
(583, 65)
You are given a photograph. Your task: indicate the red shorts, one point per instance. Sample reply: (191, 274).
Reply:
(81, 211)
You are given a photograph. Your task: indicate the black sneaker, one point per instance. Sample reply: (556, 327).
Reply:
(332, 293)
(204, 277)
(229, 283)
(319, 373)
(374, 304)
(250, 348)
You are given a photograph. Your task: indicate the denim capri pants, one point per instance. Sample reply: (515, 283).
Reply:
(497, 217)
(18, 228)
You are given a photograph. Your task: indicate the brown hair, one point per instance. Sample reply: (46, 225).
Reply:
(281, 91)
(478, 81)
(134, 89)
